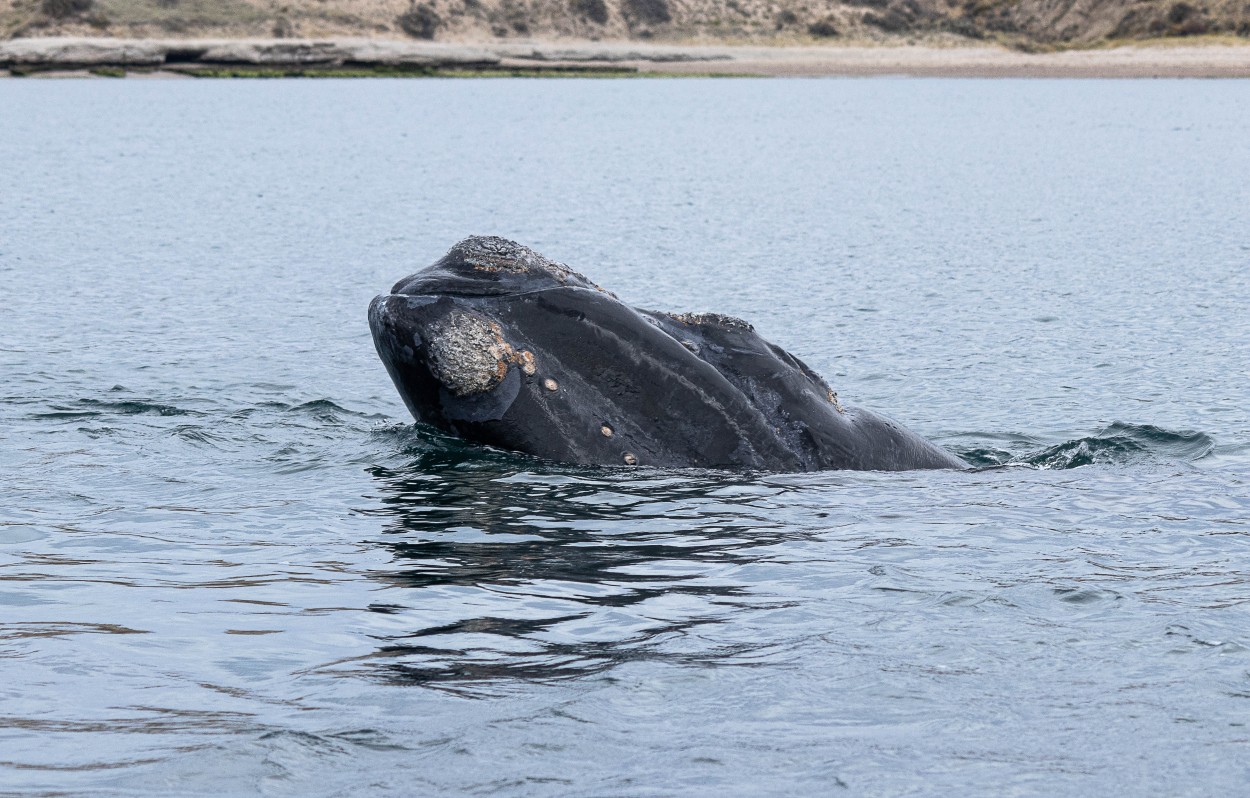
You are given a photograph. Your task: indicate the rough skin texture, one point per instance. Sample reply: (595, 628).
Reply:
(467, 353)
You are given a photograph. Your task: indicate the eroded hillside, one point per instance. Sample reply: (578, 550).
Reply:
(1017, 22)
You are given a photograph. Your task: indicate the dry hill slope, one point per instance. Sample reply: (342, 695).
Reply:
(1023, 23)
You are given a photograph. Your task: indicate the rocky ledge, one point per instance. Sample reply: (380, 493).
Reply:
(189, 55)
(264, 57)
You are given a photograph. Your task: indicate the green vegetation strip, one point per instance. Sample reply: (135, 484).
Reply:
(410, 72)
(376, 71)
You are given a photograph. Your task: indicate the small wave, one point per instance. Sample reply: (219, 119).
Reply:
(323, 410)
(61, 413)
(424, 447)
(987, 450)
(984, 457)
(87, 408)
(197, 435)
(1121, 444)
(97, 432)
(320, 406)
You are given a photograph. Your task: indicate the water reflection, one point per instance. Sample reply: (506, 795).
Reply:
(508, 569)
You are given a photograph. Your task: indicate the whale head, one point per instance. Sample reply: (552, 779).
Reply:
(499, 345)
(444, 337)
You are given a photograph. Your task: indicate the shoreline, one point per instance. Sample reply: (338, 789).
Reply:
(67, 57)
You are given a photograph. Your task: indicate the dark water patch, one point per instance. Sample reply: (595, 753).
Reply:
(197, 435)
(1125, 444)
(984, 456)
(472, 672)
(87, 408)
(80, 767)
(144, 720)
(62, 629)
(419, 449)
(65, 414)
(1089, 451)
(371, 739)
(336, 743)
(987, 449)
(295, 459)
(635, 563)
(1085, 596)
(136, 407)
(322, 410)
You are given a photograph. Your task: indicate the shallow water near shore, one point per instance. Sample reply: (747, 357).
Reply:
(230, 564)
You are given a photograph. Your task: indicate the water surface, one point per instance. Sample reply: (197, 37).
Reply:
(230, 564)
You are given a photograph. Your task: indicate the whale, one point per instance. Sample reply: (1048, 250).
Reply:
(501, 346)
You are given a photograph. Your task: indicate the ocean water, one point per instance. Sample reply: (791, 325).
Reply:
(230, 564)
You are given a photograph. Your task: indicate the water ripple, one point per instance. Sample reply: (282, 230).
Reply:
(228, 565)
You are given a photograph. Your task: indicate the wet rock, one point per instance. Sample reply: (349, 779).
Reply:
(71, 52)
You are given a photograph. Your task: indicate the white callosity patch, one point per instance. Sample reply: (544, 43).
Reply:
(468, 353)
(492, 253)
(711, 320)
(495, 254)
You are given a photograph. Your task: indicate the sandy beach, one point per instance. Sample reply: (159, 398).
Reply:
(982, 62)
(63, 55)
